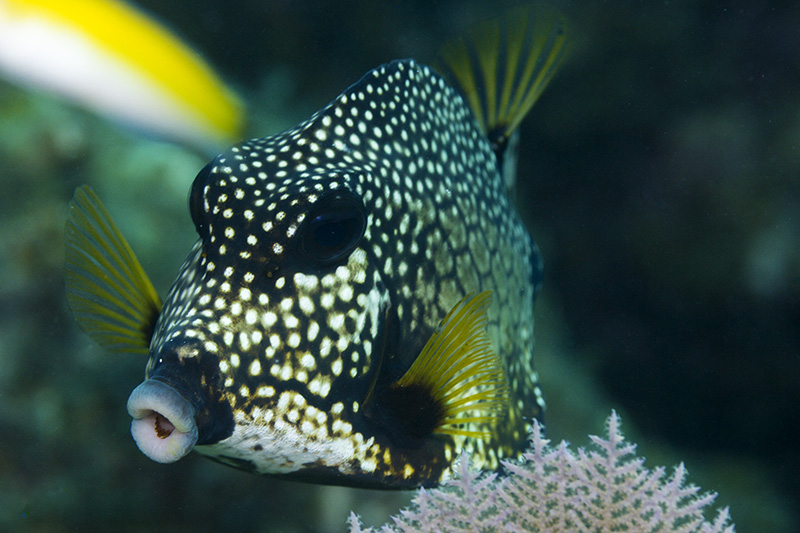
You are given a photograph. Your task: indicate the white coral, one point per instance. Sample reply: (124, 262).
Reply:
(603, 488)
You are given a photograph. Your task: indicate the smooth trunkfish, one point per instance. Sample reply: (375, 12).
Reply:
(358, 309)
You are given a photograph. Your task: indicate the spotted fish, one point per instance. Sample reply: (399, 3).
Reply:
(358, 309)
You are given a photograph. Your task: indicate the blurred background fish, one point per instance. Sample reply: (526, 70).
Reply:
(113, 59)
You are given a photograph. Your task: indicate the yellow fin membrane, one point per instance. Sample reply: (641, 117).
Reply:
(503, 66)
(460, 371)
(107, 289)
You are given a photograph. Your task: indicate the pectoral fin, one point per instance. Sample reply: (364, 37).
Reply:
(456, 385)
(107, 289)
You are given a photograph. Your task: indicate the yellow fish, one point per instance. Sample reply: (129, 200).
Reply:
(112, 59)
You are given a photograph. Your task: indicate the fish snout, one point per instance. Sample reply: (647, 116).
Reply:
(164, 422)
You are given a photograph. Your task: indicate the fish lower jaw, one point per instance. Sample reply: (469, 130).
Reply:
(163, 424)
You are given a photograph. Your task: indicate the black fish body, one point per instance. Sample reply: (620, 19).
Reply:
(330, 257)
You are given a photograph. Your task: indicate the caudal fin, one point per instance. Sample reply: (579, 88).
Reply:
(503, 65)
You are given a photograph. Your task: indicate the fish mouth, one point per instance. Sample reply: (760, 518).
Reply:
(164, 422)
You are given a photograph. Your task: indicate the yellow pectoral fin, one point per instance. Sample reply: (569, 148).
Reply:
(457, 367)
(107, 289)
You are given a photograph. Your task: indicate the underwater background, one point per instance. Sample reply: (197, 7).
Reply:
(659, 174)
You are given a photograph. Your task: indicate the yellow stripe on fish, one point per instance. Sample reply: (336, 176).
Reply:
(110, 57)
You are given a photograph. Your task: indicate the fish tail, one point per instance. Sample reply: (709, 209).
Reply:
(502, 66)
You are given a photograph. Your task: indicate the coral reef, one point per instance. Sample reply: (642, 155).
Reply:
(603, 488)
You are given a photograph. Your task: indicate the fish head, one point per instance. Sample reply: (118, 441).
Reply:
(275, 328)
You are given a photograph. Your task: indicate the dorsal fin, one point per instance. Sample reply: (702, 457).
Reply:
(503, 65)
(107, 289)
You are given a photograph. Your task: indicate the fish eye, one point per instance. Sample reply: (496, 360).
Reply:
(196, 201)
(333, 229)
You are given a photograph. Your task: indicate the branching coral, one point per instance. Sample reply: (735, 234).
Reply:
(605, 487)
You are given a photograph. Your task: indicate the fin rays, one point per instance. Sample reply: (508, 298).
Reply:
(503, 66)
(460, 370)
(107, 289)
